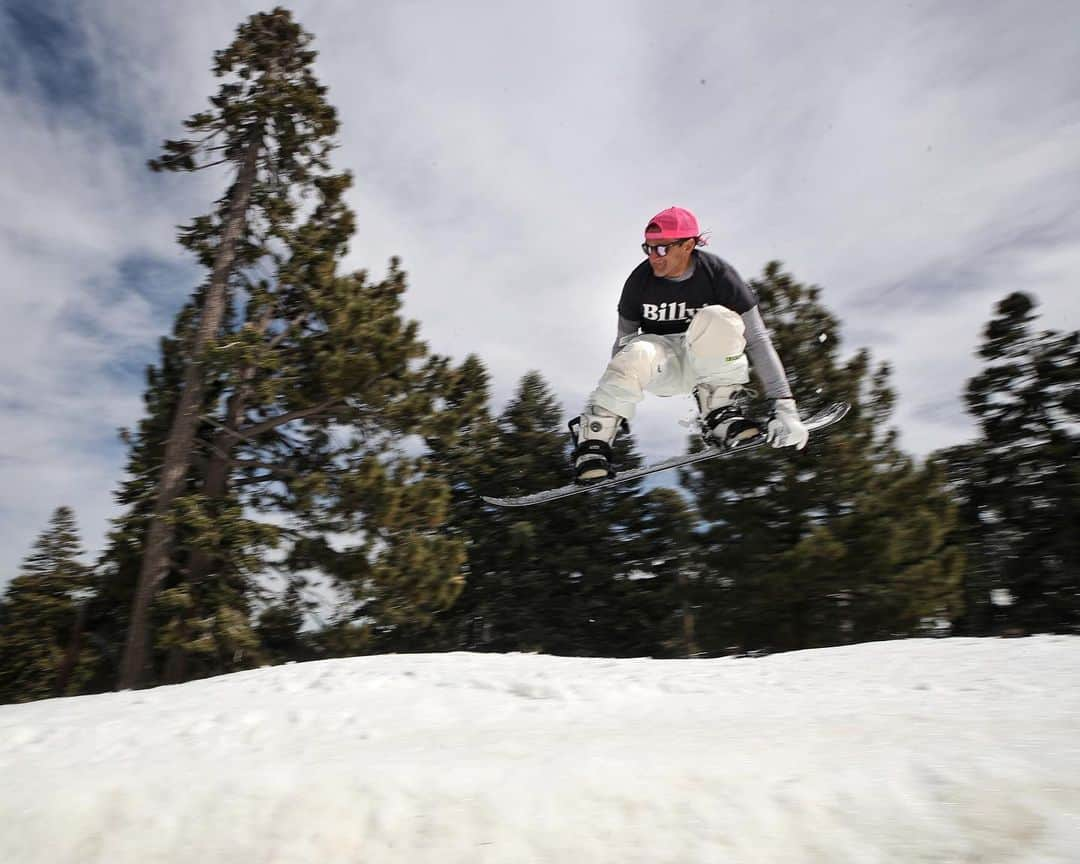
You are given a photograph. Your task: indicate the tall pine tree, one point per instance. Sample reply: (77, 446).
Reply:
(269, 122)
(297, 389)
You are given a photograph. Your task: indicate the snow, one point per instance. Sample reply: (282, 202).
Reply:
(951, 750)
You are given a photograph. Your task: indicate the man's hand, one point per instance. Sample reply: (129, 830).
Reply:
(785, 427)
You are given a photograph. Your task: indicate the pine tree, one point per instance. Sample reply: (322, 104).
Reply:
(462, 451)
(493, 611)
(342, 472)
(298, 387)
(667, 602)
(550, 578)
(41, 649)
(1019, 481)
(271, 123)
(820, 547)
(281, 626)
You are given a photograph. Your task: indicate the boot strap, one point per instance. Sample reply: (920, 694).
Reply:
(593, 447)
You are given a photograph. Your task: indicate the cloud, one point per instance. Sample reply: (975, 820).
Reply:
(917, 161)
(91, 279)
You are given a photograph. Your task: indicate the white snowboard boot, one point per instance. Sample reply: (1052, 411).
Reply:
(724, 420)
(593, 434)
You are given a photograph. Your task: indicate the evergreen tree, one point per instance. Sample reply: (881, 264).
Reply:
(903, 571)
(820, 547)
(550, 578)
(1019, 481)
(298, 386)
(271, 123)
(41, 649)
(670, 555)
(281, 626)
(343, 472)
(462, 451)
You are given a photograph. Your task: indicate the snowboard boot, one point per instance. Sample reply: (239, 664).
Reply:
(593, 433)
(724, 420)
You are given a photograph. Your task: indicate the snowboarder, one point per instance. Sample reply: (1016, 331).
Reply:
(687, 322)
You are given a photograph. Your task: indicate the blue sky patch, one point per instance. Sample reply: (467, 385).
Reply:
(44, 49)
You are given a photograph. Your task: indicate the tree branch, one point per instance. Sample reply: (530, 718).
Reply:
(224, 430)
(264, 478)
(211, 164)
(273, 423)
(292, 325)
(266, 466)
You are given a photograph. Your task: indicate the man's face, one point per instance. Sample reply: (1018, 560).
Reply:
(675, 262)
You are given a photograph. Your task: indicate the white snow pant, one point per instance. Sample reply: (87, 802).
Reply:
(711, 351)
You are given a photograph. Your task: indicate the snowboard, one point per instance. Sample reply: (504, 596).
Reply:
(814, 423)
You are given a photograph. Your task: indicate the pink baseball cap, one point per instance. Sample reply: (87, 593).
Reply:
(674, 223)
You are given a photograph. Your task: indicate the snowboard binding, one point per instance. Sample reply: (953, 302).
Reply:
(724, 421)
(593, 458)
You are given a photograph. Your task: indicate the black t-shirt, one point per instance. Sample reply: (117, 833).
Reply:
(665, 306)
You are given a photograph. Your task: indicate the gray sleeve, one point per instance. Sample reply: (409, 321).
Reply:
(627, 328)
(763, 357)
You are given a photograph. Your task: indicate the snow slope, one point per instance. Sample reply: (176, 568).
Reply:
(912, 751)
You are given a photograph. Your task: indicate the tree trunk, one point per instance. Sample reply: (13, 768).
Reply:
(74, 647)
(202, 563)
(215, 486)
(216, 480)
(690, 647)
(177, 460)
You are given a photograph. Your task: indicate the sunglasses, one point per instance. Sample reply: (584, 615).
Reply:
(661, 249)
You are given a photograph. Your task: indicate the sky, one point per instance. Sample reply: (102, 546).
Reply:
(918, 161)
(912, 750)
